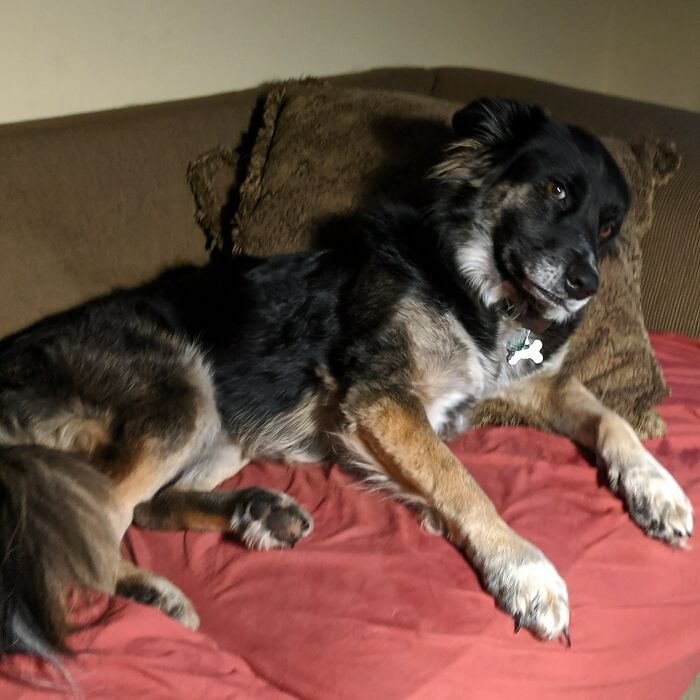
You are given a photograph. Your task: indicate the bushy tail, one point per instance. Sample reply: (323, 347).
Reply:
(55, 535)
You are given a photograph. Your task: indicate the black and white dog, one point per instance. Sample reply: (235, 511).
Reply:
(134, 406)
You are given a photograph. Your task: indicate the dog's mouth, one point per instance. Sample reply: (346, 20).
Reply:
(527, 303)
(540, 296)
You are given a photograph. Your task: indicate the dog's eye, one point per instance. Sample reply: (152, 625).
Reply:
(605, 233)
(556, 191)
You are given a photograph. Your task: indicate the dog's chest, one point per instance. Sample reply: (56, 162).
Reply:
(453, 375)
(448, 376)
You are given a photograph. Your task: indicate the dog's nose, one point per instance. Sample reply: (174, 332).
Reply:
(582, 280)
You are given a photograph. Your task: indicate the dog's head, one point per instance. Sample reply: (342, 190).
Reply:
(526, 207)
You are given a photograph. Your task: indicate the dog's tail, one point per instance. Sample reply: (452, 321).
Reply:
(55, 536)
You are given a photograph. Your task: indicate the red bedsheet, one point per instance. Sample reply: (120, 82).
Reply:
(372, 606)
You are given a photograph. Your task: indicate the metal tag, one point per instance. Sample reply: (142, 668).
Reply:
(522, 348)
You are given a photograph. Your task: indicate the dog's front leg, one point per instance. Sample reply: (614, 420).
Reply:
(397, 437)
(653, 498)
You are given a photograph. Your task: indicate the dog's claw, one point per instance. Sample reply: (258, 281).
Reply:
(567, 637)
(518, 622)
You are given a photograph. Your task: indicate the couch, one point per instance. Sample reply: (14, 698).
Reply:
(92, 202)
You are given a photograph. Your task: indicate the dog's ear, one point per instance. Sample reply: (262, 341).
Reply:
(496, 122)
(490, 129)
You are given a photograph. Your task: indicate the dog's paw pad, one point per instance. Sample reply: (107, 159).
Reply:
(270, 520)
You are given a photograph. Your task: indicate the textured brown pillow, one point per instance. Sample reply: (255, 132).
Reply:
(322, 154)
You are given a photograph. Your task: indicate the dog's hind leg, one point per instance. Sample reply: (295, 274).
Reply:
(63, 514)
(262, 518)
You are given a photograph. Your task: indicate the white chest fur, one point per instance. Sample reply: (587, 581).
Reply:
(454, 382)
(446, 411)
(452, 377)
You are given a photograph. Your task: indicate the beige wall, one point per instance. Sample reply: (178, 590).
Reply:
(655, 51)
(66, 56)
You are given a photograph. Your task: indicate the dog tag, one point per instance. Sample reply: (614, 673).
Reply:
(522, 348)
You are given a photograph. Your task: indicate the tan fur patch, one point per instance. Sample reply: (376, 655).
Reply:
(570, 409)
(141, 481)
(184, 519)
(328, 380)
(204, 522)
(174, 509)
(154, 465)
(406, 448)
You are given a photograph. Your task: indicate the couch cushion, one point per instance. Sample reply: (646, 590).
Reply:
(323, 154)
(98, 201)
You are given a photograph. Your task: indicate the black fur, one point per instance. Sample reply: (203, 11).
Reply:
(511, 154)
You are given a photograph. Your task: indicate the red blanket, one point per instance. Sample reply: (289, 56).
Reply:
(372, 606)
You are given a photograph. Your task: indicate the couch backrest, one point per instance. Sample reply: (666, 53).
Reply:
(92, 202)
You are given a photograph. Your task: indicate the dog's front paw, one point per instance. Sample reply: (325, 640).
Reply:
(269, 519)
(526, 585)
(654, 499)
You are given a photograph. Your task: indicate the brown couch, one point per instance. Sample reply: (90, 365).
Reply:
(100, 200)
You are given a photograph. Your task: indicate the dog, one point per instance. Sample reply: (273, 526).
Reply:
(134, 406)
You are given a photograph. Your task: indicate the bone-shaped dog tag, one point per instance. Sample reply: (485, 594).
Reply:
(531, 352)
